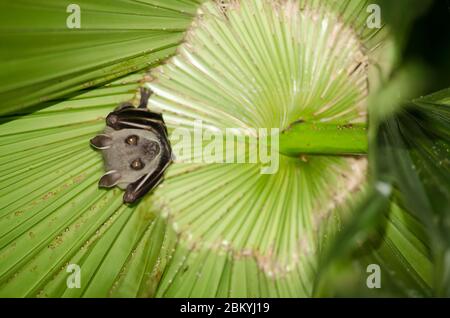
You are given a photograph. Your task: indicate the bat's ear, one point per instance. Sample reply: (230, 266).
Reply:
(101, 142)
(110, 179)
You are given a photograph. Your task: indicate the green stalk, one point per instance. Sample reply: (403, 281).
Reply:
(324, 139)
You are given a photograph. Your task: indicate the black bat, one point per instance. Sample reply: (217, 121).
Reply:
(136, 149)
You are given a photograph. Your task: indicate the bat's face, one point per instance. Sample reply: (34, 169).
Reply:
(129, 154)
(136, 151)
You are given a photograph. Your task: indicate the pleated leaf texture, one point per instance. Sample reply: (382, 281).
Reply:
(211, 229)
(45, 59)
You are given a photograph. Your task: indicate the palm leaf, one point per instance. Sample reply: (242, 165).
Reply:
(417, 140)
(410, 155)
(46, 60)
(210, 229)
(52, 213)
(261, 229)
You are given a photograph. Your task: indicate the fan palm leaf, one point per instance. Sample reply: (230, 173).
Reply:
(211, 229)
(114, 40)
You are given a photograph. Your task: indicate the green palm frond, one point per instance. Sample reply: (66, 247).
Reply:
(271, 224)
(45, 59)
(52, 212)
(218, 229)
(411, 157)
(417, 140)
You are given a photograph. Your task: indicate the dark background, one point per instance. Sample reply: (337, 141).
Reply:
(429, 42)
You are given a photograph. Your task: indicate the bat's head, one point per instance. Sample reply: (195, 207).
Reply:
(136, 152)
(129, 154)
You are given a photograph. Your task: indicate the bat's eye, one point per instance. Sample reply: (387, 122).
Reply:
(132, 140)
(137, 164)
